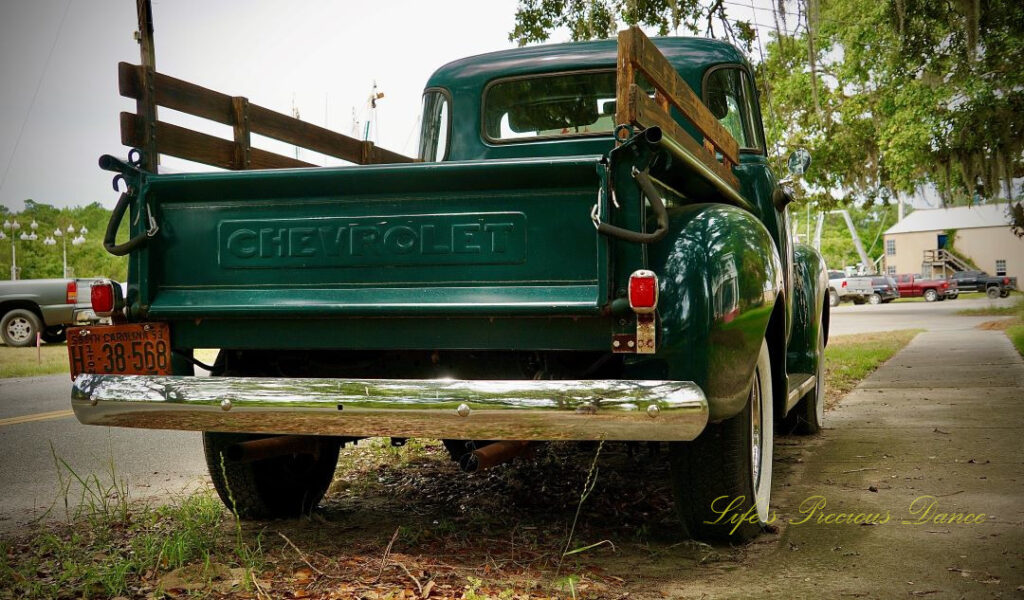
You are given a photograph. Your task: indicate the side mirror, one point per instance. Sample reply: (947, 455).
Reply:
(798, 162)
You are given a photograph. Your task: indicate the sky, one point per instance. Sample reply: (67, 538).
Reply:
(59, 103)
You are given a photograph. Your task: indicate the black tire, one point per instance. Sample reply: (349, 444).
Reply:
(953, 296)
(1004, 293)
(808, 416)
(993, 292)
(55, 335)
(19, 327)
(858, 300)
(716, 469)
(875, 299)
(281, 487)
(833, 298)
(930, 295)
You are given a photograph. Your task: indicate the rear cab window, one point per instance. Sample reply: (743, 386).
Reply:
(546, 106)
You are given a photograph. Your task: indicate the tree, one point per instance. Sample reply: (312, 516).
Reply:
(37, 260)
(888, 96)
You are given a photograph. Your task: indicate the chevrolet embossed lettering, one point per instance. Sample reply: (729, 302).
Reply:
(394, 240)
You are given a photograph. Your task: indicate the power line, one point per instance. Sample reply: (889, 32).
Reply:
(35, 94)
(788, 14)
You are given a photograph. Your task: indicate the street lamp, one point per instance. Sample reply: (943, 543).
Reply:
(13, 227)
(76, 241)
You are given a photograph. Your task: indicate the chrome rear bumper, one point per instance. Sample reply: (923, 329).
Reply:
(433, 408)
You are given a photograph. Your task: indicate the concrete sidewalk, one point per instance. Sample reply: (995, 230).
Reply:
(944, 419)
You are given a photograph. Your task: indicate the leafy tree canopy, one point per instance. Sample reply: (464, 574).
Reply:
(890, 97)
(37, 260)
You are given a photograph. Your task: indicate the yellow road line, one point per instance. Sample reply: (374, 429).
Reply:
(57, 414)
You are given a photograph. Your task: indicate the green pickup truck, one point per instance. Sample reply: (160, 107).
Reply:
(590, 246)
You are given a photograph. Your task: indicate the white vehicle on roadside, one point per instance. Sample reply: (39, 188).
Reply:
(853, 289)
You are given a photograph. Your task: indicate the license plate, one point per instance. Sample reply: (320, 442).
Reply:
(129, 349)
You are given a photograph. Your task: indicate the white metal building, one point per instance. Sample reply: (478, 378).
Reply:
(982, 234)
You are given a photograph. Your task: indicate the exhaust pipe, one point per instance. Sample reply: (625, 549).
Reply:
(272, 447)
(493, 455)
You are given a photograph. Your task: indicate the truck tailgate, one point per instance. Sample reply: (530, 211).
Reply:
(481, 237)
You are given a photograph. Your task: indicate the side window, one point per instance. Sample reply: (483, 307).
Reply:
(890, 247)
(729, 95)
(435, 127)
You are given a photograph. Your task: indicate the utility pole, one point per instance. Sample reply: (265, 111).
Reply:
(145, 106)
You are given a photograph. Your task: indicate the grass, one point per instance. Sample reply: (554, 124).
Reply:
(1016, 335)
(962, 296)
(22, 362)
(1014, 310)
(851, 358)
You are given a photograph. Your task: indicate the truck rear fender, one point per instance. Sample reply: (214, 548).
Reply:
(720, 286)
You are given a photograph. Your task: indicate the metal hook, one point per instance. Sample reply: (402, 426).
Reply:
(135, 157)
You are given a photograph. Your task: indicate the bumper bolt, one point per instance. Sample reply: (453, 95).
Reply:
(225, 404)
(463, 410)
(653, 410)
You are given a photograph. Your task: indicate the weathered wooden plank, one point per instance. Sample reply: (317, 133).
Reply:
(625, 112)
(653, 64)
(243, 145)
(305, 135)
(200, 147)
(177, 94)
(202, 102)
(649, 114)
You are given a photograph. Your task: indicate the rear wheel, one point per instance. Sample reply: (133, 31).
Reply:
(279, 487)
(722, 480)
(833, 298)
(993, 292)
(875, 299)
(931, 295)
(54, 335)
(1004, 293)
(19, 327)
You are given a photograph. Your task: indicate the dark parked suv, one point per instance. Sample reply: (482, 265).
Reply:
(886, 290)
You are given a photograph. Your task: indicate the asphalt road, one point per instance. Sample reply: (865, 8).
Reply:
(37, 430)
(930, 316)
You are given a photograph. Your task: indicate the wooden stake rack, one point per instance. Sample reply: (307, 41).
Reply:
(639, 55)
(151, 89)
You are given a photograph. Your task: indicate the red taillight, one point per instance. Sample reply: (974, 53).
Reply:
(643, 291)
(102, 298)
(945, 284)
(1006, 281)
(844, 284)
(71, 296)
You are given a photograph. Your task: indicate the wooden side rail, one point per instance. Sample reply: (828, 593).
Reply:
(639, 55)
(244, 118)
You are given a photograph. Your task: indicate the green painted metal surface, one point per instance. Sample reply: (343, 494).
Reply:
(491, 237)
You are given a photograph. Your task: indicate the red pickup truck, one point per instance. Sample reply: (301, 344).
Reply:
(932, 289)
